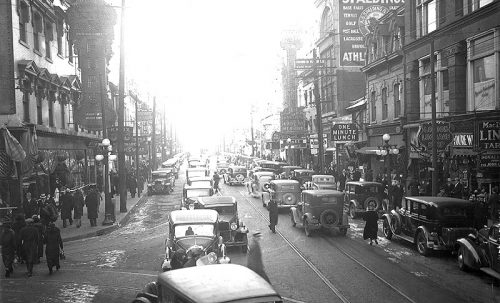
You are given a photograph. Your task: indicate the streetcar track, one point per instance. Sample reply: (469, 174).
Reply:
(99, 284)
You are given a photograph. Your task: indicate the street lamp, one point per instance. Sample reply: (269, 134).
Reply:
(104, 155)
(289, 141)
(387, 149)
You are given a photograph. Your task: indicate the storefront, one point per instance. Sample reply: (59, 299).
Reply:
(487, 143)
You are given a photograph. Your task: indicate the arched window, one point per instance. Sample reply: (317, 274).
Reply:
(326, 22)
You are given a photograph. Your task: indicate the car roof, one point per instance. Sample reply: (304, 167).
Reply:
(303, 170)
(323, 192)
(193, 216)
(440, 201)
(219, 283)
(364, 183)
(196, 169)
(170, 161)
(166, 170)
(217, 200)
(263, 173)
(285, 181)
(322, 176)
(292, 166)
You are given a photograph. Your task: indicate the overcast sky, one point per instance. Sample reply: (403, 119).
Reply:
(209, 60)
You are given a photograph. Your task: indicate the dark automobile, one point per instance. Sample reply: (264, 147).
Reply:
(320, 209)
(272, 166)
(190, 194)
(196, 232)
(161, 182)
(431, 223)
(288, 170)
(232, 230)
(236, 175)
(481, 251)
(360, 194)
(302, 175)
(286, 193)
(220, 283)
(174, 164)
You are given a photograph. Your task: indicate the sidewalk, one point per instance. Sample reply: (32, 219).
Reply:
(71, 233)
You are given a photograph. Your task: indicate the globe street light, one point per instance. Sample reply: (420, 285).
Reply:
(104, 155)
(387, 149)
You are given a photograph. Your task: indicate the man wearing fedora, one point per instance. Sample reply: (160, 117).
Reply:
(8, 242)
(29, 241)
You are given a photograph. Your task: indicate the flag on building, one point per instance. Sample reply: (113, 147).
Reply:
(12, 147)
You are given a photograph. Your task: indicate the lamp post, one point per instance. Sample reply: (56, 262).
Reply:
(289, 141)
(109, 211)
(387, 149)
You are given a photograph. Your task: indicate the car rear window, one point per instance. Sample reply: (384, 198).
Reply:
(453, 212)
(328, 199)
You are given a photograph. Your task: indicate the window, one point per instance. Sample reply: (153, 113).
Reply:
(425, 74)
(24, 18)
(49, 35)
(51, 113)
(26, 100)
(63, 115)
(374, 106)
(37, 21)
(39, 116)
(60, 33)
(397, 101)
(384, 103)
(469, 6)
(426, 17)
(70, 51)
(326, 22)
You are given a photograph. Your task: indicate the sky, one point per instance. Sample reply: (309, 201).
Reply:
(209, 61)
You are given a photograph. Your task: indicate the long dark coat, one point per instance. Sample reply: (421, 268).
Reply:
(19, 224)
(29, 241)
(132, 184)
(272, 207)
(371, 226)
(54, 242)
(31, 208)
(41, 230)
(8, 242)
(78, 205)
(66, 206)
(92, 202)
(254, 259)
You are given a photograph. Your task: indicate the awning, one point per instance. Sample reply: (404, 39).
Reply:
(357, 104)
(463, 152)
(368, 150)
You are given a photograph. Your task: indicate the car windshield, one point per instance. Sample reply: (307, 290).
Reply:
(224, 210)
(324, 180)
(199, 192)
(198, 230)
(287, 188)
(328, 199)
(196, 173)
(160, 176)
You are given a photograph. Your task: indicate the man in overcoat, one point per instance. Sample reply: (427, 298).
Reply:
(41, 230)
(54, 243)
(78, 207)
(254, 256)
(66, 208)
(92, 203)
(29, 241)
(8, 242)
(272, 207)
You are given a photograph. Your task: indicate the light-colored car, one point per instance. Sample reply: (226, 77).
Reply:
(323, 182)
(259, 181)
(286, 193)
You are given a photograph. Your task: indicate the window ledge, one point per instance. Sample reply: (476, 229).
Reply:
(37, 52)
(23, 43)
(384, 120)
(60, 56)
(49, 59)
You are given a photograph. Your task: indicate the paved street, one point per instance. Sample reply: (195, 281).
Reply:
(323, 268)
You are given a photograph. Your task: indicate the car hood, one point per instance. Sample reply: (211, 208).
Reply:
(187, 242)
(226, 218)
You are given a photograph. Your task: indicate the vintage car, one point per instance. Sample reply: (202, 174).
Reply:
(214, 283)
(287, 171)
(196, 232)
(302, 175)
(196, 172)
(431, 223)
(285, 192)
(232, 230)
(272, 166)
(323, 182)
(236, 175)
(201, 181)
(173, 164)
(320, 209)
(162, 182)
(260, 183)
(480, 251)
(222, 167)
(195, 162)
(190, 194)
(360, 194)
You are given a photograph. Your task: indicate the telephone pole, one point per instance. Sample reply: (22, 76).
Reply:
(153, 138)
(317, 102)
(122, 174)
(434, 123)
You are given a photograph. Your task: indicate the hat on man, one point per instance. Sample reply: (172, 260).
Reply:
(42, 196)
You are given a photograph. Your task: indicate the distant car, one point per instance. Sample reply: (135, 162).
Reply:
(323, 182)
(360, 194)
(196, 232)
(232, 230)
(303, 175)
(480, 251)
(190, 194)
(272, 166)
(174, 164)
(236, 175)
(431, 223)
(286, 193)
(161, 182)
(220, 283)
(222, 167)
(288, 170)
(320, 209)
(196, 172)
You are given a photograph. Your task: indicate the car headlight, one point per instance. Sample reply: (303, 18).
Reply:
(234, 226)
(289, 198)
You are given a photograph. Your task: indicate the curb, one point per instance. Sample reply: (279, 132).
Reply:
(110, 228)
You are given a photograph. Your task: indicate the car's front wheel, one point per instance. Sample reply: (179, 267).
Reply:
(460, 259)
(352, 211)
(422, 244)
(387, 229)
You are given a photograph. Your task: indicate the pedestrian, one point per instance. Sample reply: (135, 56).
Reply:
(78, 207)
(342, 180)
(140, 184)
(30, 206)
(29, 241)
(92, 203)
(132, 185)
(216, 179)
(254, 256)
(41, 231)
(67, 205)
(8, 242)
(54, 242)
(457, 191)
(371, 226)
(48, 211)
(480, 211)
(272, 207)
(19, 223)
(494, 205)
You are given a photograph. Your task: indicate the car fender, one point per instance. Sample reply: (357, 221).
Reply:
(423, 229)
(294, 212)
(310, 218)
(356, 204)
(393, 215)
(471, 255)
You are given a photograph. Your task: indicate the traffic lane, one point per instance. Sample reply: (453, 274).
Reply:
(288, 273)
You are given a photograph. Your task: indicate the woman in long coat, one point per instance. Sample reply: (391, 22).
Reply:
(371, 226)
(272, 206)
(79, 202)
(254, 256)
(92, 202)
(8, 242)
(54, 242)
(66, 208)
(29, 240)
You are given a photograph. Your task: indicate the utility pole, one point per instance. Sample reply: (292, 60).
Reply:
(153, 138)
(171, 141)
(317, 102)
(251, 131)
(434, 123)
(122, 174)
(136, 140)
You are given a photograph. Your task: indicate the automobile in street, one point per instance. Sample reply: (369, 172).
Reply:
(196, 162)
(272, 166)
(302, 175)
(219, 283)
(431, 223)
(236, 175)
(196, 172)
(196, 232)
(190, 194)
(201, 181)
(323, 182)
(174, 164)
(320, 209)
(222, 167)
(162, 182)
(286, 193)
(360, 194)
(260, 183)
(288, 170)
(481, 251)
(232, 230)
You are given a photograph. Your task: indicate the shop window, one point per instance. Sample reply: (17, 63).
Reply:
(374, 106)
(384, 103)
(397, 101)
(426, 17)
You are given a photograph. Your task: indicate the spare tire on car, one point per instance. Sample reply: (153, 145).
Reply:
(329, 218)
(373, 201)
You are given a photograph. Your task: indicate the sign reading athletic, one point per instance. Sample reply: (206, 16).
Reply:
(344, 132)
(357, 19)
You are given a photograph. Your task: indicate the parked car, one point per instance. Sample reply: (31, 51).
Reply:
(360, 194)
(161, 182)
(196, 172)
(222, 167)
(236, 175)
(302, 175)
(323, 182)
(480, 251)
(260, 183)
(173, 164)
(201, 181)
(197, 233)
(288, 170)
(194, 162)
(232, 230)
(431, 223)
(214, 284)
(320, 209)
(190, 194)
(285, 192)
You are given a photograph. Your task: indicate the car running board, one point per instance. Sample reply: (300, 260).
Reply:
(490, 272)
(404, 237)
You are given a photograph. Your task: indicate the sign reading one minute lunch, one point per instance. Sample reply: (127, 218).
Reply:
(344, 132)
